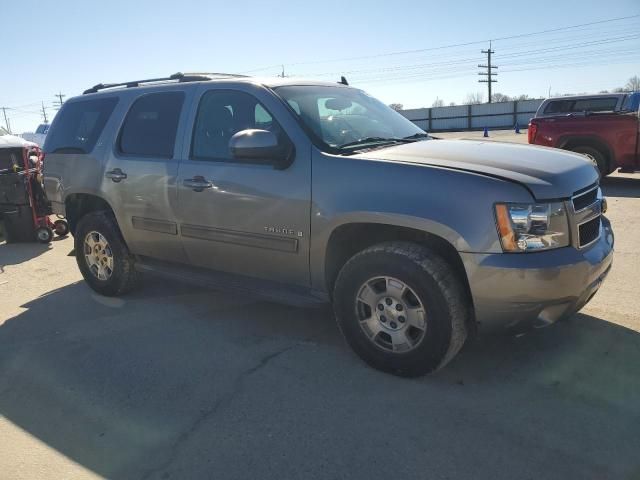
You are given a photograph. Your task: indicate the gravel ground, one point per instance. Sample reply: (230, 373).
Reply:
(174, 382)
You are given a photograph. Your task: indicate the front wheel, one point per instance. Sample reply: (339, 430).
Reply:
(102, 255)
(401, 308)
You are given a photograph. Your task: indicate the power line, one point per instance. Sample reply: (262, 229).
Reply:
(59, 102)
(465, 44)
(573, 47)
(44, 114)
(489, 73)
(429, 76)
(6, 120)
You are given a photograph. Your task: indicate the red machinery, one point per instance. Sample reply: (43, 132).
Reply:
(40, 208)
(23, 201)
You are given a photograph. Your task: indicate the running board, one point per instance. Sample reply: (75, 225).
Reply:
(277, 292)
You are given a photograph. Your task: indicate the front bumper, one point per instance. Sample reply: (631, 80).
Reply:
(518, 291)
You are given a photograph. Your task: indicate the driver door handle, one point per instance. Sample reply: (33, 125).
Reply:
(197, 183)
(116, 175)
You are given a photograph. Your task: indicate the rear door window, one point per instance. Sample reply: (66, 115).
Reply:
(151, 125)
(79, 125)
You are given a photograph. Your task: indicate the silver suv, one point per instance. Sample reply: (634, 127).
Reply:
(307, 192)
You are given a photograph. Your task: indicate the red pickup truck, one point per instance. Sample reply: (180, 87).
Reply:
(609, 138)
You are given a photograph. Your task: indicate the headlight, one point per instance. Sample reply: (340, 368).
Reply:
(525, 227)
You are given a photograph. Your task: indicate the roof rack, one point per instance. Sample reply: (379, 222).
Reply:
(176, 77)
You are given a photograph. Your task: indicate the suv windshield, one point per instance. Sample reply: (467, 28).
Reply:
(344, 119)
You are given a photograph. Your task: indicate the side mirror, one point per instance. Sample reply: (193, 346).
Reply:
(261, 146)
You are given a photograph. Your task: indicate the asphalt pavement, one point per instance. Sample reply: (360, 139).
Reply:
(177, 382)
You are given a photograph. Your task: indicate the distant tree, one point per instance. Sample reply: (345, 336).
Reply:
(452, 104)
(396, 106)
(603, 91)
(619, 90)
(438, 102)
(500, 97)
(633, 84)
(474, 98)
(524, 96)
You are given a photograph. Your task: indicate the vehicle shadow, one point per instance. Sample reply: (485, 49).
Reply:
(627, 187)
(122, 386)
(17, 253)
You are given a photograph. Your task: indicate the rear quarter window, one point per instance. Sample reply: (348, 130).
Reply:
(582, 105)
(78, 125)
(151, 125)
(558, 106)
(595, 104)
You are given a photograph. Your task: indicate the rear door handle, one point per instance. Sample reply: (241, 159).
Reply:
(116, 175)
(197, 183)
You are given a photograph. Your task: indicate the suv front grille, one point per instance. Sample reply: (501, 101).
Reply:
(589, 232)
(583, 200)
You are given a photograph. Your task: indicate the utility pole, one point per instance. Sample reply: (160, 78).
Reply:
(6, 120)
(60, 101)
(44, 113)
(489, 73)
(282, 75)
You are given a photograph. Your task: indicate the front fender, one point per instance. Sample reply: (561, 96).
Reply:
(457, 206)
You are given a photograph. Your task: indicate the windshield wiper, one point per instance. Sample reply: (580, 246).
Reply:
(373, 140)
(416, 136)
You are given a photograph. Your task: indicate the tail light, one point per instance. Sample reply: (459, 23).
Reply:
(531, 132)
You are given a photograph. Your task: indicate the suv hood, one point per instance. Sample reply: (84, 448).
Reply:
(548, 173)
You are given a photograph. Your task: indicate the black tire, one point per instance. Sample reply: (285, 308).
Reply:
(597, 156)
(44, 234)
(124, 276)
(436, 286)
(61, 228)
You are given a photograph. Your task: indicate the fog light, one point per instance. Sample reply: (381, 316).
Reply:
(522, 244)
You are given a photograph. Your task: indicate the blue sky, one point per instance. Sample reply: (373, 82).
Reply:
(70, 45)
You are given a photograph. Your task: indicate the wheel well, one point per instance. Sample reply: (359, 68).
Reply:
(599, 145)
(79, 204)
(347, 240)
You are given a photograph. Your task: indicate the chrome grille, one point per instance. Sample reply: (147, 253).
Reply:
(589, 231)
(585, 218)
(585, 199)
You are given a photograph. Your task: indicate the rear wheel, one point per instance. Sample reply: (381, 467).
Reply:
(401, 308)
(102, 255)
(596, 156)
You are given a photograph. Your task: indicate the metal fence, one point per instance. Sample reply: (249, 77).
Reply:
(474, 117)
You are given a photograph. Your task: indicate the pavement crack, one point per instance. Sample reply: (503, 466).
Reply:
(217, 406)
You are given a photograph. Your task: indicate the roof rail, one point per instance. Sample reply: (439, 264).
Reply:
(176, 77)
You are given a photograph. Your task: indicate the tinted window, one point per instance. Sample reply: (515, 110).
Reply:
(558, 106)
(582, 105)
(222, 114)
(151, 125)
(595, 104)
(78, 125)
